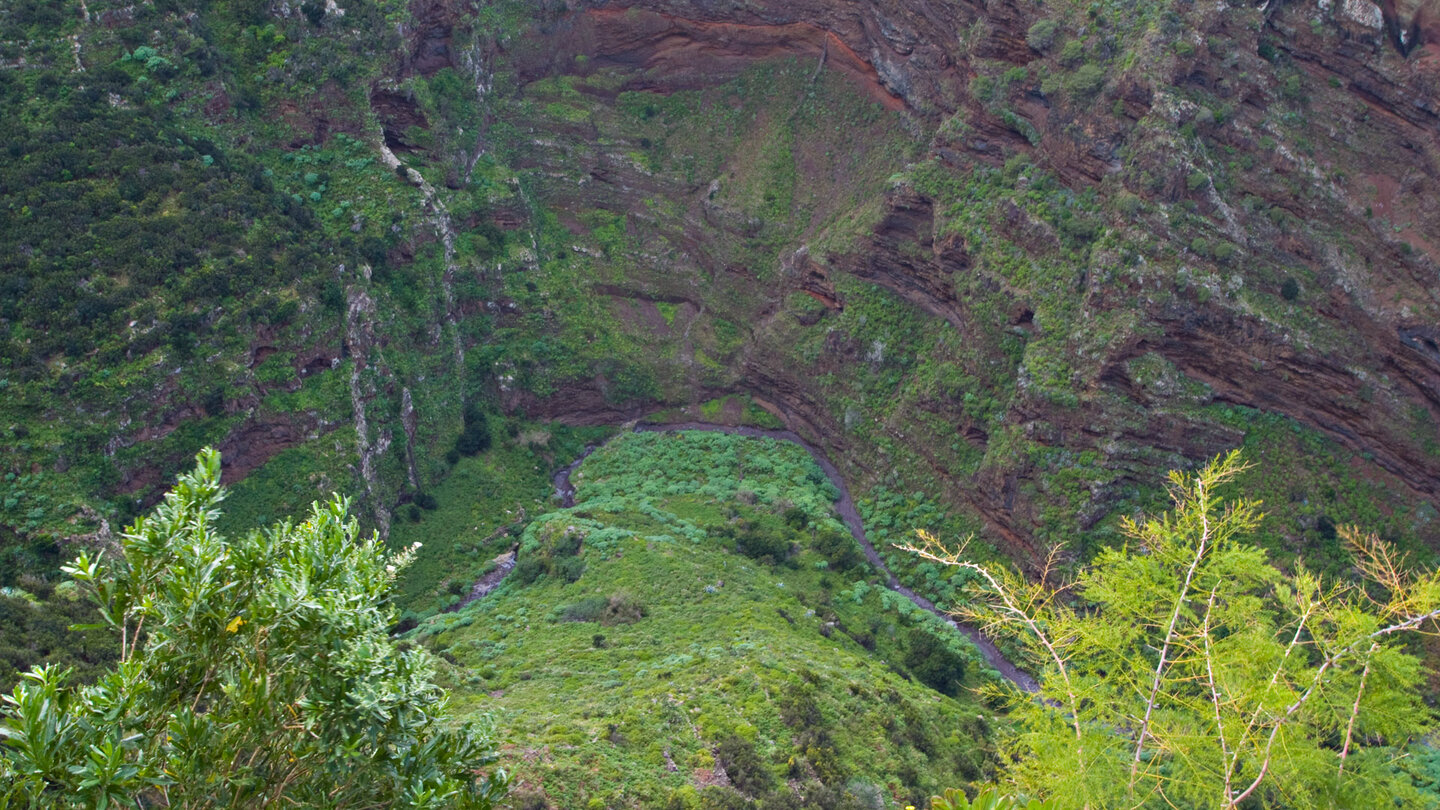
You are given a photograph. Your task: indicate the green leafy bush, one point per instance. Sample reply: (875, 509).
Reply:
(988, 799)
(1255, 684)
(475, 435)
(1072, 53)
(1290, 289)
(619, 608)
(34, 628)
(254, 671)
(839, 549)
(622, 608)
(570, 569)
(1086, 81)
(759, 539)
(934, 662)
(747, 772)
(528, 570)
(1042, 34)
(586, 610)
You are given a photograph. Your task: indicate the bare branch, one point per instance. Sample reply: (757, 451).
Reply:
(1307, 610)
(1202, 496)
(1355, 709)
(1409, 623)
(1009, 605)
(1214, 690)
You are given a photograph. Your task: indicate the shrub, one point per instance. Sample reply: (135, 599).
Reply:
(290, 629)
(795, 518)
(933, 662)
(314, 12)
(747, 772)
(1079, 230)
(683, 798)
(798, 708)
(983, 87)
(566, 544)
(719, 798)
(1042, 35)
(619, 608)
(36, 633)
(409, 620)
(528, 570)
(1086, 81)
(1128, 204)
(530, 800)
(1234, 638)
(759, 541)
(475, 435)
(622, 608)
(840, 549)
(1293, 88)
(1290, 289)
(988, 799)
(1072, 53)
(570, 568)
(586, 610)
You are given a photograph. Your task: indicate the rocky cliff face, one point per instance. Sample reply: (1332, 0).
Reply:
(1242, 198)
(1024, 257)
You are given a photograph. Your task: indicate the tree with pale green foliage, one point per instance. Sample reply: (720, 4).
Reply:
(254, 671)
(987, 799)
(1184, 670)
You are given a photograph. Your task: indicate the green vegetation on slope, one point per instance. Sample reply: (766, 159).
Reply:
(38, 622)
(197, 206)
(196, 210)
(479, 509)
(700, 612)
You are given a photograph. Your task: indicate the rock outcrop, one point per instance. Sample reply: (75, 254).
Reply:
(1355, 165)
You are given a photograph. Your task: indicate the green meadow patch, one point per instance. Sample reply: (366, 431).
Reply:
(700, 625)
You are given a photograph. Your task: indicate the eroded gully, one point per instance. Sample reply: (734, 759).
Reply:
(845, 506)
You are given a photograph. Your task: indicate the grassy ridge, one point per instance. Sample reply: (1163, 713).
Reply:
(681, 614)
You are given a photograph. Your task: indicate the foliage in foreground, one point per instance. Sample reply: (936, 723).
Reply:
(254, 671)
(1185, 671)
(988, 799)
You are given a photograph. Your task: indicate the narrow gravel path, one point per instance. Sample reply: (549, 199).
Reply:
(845, 506)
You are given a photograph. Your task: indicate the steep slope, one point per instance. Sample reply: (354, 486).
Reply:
(1018, 258)
(1125, 234)
(699, 624)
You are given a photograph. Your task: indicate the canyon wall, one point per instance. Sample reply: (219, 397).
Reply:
(1257, 219)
